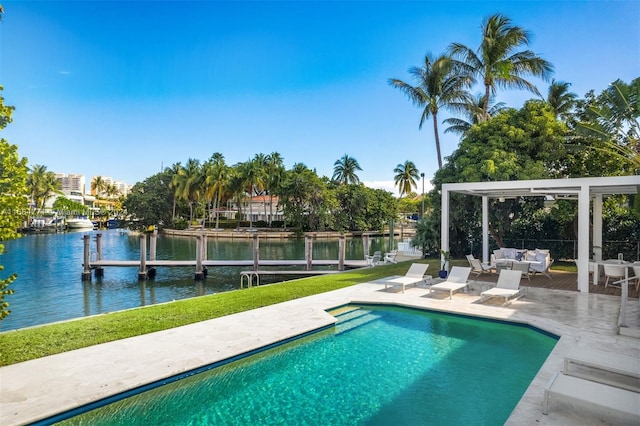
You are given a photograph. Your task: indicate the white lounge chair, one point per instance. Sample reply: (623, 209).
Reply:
(478, 267)
(610, 362)
(457, 280)
(609, 400)
(508, 286)
(414, 275)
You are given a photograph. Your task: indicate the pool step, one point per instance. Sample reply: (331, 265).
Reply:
(353, 319)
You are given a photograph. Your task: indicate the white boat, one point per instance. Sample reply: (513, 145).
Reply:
(79, 223)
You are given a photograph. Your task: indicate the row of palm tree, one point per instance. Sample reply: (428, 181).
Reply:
(444, 82)
(212, 182)
(102, 188)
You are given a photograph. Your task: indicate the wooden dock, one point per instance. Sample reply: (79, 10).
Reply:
(147, 266)
(239, 263)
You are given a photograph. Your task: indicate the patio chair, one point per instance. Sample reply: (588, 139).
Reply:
(636, 272)
(373, 260)
(523, 268)
(457, 280)
(391, 257)
(544, 262)
(508, 286)
(477, 267)
(614, 271)
(414, 275)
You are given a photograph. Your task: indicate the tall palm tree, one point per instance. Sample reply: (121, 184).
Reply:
(98, 185)
(188, 184)
(405, 177)
(275, 173)
(498, 62)
(216, 180)
(438, 85)
(473, 111)
(561, 99)
(252, 175)
(344, 170)
(174, 171)
(42, 185)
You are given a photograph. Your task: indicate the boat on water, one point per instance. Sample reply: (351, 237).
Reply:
(80, 223)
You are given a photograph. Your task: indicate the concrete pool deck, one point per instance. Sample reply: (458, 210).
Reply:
(40, 388)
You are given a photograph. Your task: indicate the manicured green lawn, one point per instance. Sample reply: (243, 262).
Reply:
(36, 342)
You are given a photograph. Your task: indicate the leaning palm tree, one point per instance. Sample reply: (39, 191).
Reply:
(344, 170)
(613, 120)
(473, 111)
(498, 62)
(561, 99)
(438, 85)
(405, 177)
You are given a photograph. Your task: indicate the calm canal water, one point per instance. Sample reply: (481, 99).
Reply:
(49, 267)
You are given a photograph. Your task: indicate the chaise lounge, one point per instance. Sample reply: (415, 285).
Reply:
(508, 286)
(609, 400)
(457, 280)
(414, 275)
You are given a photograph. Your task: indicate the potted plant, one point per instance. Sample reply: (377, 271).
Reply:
(444, 263)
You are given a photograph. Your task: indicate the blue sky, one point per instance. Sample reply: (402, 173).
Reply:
(123, 89)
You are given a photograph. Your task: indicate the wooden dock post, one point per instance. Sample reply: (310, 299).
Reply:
(204, 246)
(256, 251)
(153, 244)
(142, 272)
(365, 244)
(308, 252)
(199, 272)
(341, 252)
(86, 273)
(99, 272)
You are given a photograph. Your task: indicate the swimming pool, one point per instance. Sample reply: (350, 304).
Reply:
(377, 366)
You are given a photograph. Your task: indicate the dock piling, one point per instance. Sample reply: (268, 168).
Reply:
(86, 273)
(199, 275)
(99, 271)
(152, 244)
(308, 252)
(142, 272)
(256, 249)
(341, 252)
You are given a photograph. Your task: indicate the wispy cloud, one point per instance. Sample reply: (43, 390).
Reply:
(64, 72)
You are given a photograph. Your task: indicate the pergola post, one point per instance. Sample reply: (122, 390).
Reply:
(597, 227)
(485, 229)
(583, 239)
(444, 229)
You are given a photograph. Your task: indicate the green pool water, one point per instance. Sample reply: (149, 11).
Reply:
(378, 366)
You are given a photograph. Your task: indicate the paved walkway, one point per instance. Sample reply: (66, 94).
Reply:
(40, 388)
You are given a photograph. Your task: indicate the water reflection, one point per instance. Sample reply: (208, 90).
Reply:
(49, 268)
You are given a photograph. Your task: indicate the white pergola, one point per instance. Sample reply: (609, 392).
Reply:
(584, 190)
